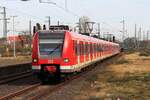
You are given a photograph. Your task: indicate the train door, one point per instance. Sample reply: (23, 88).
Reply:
(81, 52)
(102, 47)
(106, 49)
(91, 52)
(78, 52)
(109, 49)
(86, 51)
(98, 50)
(75, 56)
(89, 57)
(94, 51)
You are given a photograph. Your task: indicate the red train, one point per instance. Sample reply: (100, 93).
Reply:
(64, 52)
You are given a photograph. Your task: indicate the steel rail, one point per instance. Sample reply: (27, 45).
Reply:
(47, 91)
(14, 77)
(11, 95)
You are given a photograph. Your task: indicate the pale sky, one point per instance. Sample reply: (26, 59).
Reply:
(108, 12)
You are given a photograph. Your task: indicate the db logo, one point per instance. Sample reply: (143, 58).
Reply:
(50, 61)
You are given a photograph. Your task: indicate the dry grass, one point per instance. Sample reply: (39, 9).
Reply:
(127, 78)
(145, 53)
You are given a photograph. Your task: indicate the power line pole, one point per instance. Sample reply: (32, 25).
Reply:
(139, 37)
(13, 18)
(30, 32)
(66, 4)
(147, 35)
(4, 22)
(30, 28)
(49, 21)
(147, 39)
(58, 23)
(123, 29)
(135, 35)
(99, 30)
(140, 32)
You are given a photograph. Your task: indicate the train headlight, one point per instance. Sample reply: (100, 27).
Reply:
(66, 60)
(35, 60)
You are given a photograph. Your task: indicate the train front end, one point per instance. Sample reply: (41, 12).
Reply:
(47, 53)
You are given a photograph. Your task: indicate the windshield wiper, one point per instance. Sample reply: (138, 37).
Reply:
(55, 49)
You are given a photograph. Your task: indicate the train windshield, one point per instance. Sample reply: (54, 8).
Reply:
(50, 45)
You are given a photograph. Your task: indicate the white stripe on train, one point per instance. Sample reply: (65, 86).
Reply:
(78, 67)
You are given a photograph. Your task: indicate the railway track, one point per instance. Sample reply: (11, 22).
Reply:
(45, 91)
(50, 90)
(14, 77)
(42, 92)
(11, 95)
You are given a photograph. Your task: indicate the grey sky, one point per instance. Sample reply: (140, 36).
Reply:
(108, 12)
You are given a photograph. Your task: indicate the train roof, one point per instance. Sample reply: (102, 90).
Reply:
(88, 38)
(80, 37)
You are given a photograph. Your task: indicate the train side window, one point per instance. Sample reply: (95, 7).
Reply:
(75, 47)
(91, 51)
(85, 48)
(88, 46)
(95, 48)
(81, 48)
(103, 47)
(78, 49)
(98, 47)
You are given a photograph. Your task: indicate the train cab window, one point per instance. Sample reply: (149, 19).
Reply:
(50, 44)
